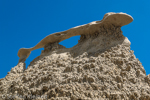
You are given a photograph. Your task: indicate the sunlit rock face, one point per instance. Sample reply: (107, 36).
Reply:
(109, 22)
(100, 67)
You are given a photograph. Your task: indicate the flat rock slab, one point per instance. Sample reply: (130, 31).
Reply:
(116, 19)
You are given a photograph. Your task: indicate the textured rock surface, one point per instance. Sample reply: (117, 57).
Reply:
(100, 67)
(109, 19)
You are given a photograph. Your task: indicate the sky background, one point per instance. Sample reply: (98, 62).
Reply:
(23, 23)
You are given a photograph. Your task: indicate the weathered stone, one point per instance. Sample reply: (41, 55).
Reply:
(100, 67)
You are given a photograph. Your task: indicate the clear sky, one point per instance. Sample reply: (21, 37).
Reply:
(23, 23)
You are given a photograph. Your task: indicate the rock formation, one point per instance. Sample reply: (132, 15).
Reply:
(116, 19)
(100, 67)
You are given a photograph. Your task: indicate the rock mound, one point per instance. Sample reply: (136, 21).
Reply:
(100, 67)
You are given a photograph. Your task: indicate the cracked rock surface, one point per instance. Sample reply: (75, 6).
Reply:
(100, 67)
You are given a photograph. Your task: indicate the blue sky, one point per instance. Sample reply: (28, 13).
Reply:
(23, 23)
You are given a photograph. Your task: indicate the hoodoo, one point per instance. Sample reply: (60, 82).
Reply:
(100, 67)
(109, 20)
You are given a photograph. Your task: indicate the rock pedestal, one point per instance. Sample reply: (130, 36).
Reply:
(100, 67)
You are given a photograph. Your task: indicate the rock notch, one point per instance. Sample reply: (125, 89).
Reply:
(100, 67)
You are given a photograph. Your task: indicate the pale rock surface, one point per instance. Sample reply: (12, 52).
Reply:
(100, 67)
(109, 21)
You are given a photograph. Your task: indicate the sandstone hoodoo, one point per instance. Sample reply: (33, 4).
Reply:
(110, 20)
(100, 67)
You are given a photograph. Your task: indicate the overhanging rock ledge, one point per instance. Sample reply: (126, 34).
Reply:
(100, 67)
(110, 20)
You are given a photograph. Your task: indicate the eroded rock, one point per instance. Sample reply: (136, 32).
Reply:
(100, 67)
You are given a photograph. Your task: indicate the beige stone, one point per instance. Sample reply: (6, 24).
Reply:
(116, 19)
(100, 67)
